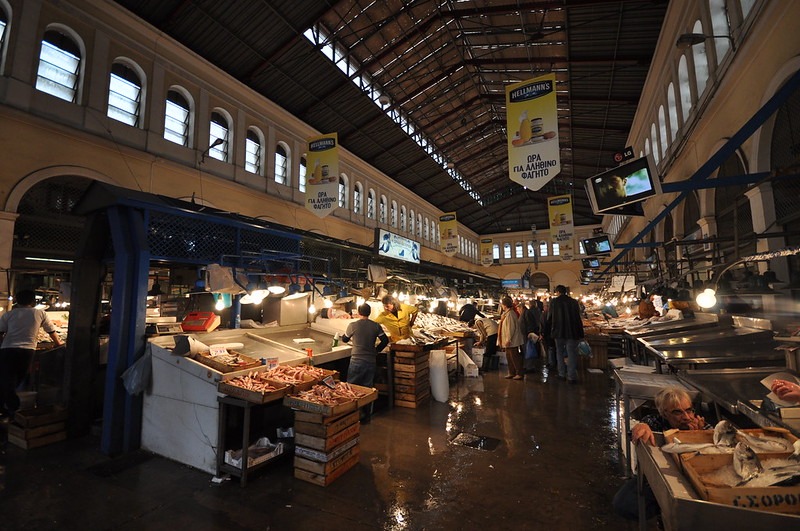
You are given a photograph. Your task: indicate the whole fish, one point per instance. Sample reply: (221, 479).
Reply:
(745, 462)
(766, 443)
(776, 472)
(678, 447)
(725, 434)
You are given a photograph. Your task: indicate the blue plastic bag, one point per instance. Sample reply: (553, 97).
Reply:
(531, 350)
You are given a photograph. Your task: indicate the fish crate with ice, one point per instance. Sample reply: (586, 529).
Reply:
(705, 471)
(706, 437)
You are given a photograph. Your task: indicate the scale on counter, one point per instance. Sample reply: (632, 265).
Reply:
(200, 322)
(169, 328)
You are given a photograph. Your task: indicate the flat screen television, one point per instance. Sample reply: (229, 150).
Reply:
(628, 183)
(590, 263)
(393, 245)
(597, 245)
(587, 273)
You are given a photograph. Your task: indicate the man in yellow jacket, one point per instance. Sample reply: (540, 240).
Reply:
(397, 318)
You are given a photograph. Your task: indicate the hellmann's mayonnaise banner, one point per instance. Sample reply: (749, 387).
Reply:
(322, 183)
(448, 233)
(562, 227)
(487, 258)
(532, 121)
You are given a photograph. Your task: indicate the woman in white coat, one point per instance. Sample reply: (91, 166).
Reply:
(510, 338)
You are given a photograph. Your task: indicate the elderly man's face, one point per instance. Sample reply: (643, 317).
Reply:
(680, 414)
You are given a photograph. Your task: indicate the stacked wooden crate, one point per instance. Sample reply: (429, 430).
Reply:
(38, 427)
(326, 436)
(412, 387)
(326, 447)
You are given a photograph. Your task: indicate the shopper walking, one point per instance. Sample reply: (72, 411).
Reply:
(567, 331)
(19, 329)
(487, 338)
(364, 334)
(510, 338)
(530, 322)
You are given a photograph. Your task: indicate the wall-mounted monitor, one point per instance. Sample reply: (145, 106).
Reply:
(587, 273)
(628, 183)
(590, 263)
(393, 245)
(598, 245)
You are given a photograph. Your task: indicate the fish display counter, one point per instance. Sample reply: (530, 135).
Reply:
(747, 342)
(651, 328)
(683, 508)
(739, 391)
(180, 417)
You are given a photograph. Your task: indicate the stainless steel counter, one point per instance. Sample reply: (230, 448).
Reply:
(699, 321)
(681, 506)
(735, 390)
(709, 338)
(723, 356)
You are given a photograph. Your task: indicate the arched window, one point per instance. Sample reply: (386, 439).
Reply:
(507, 251)
(382, 210)
(495, 251)
(531, 250)
(518, 250)
(543, 249)
(371, 204)
(700, 61)
(437, 234)
(403, 218)
(720, 25)
(281, 164)
(411, 221)
(673, 111)
(419, 225)
(59, 65)
(427, 234)
(219, 131)
(684, 85)
(344, 191)
(177, 117)
(556, 249)
(125, 93)
(4, 18)
(691, 214)
(393, 214)
(358, 198)
(654, 140)
(253, 151)
(647, 149)
(302, 174)
(662, 129)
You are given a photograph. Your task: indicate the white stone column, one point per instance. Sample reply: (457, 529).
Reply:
(7, 222)
(762, 207)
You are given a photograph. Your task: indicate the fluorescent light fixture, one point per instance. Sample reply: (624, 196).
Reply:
(42, 259)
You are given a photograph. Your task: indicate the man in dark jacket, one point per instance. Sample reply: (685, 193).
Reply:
(468, 313)
(567, 330)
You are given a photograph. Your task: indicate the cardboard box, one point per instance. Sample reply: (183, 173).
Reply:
(771, 499)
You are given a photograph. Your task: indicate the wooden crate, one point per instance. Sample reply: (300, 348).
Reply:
(707, 437)
(326, 444)
(411, 367)
(413, 403)
(325, 457)
(255, 397)
(35, 437)
(245, 362)
(295, 402)
(770, 499)
(31, 418)
(411, 357)
(423, 374)
(324, 480)
(317, 467)
(325, 429)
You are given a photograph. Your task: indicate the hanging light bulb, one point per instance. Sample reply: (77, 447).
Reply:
(312, 309)
(328, 303)
(258, 295)
(220, 305)
(706, 299)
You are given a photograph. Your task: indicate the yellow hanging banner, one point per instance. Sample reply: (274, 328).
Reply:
(562, 227)
(532, 124)
(322, 184)
(448, 234)
(487, 258)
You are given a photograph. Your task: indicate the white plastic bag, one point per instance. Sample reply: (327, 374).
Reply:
(440, 387)
(136, 378)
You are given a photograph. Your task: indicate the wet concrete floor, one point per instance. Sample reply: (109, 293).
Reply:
(556, 466)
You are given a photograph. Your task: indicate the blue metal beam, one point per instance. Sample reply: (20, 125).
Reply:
(730, 147)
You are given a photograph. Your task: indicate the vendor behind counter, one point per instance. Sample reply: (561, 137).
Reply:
(397, 318)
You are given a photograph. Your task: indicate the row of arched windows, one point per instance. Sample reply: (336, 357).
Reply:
(60, 73)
